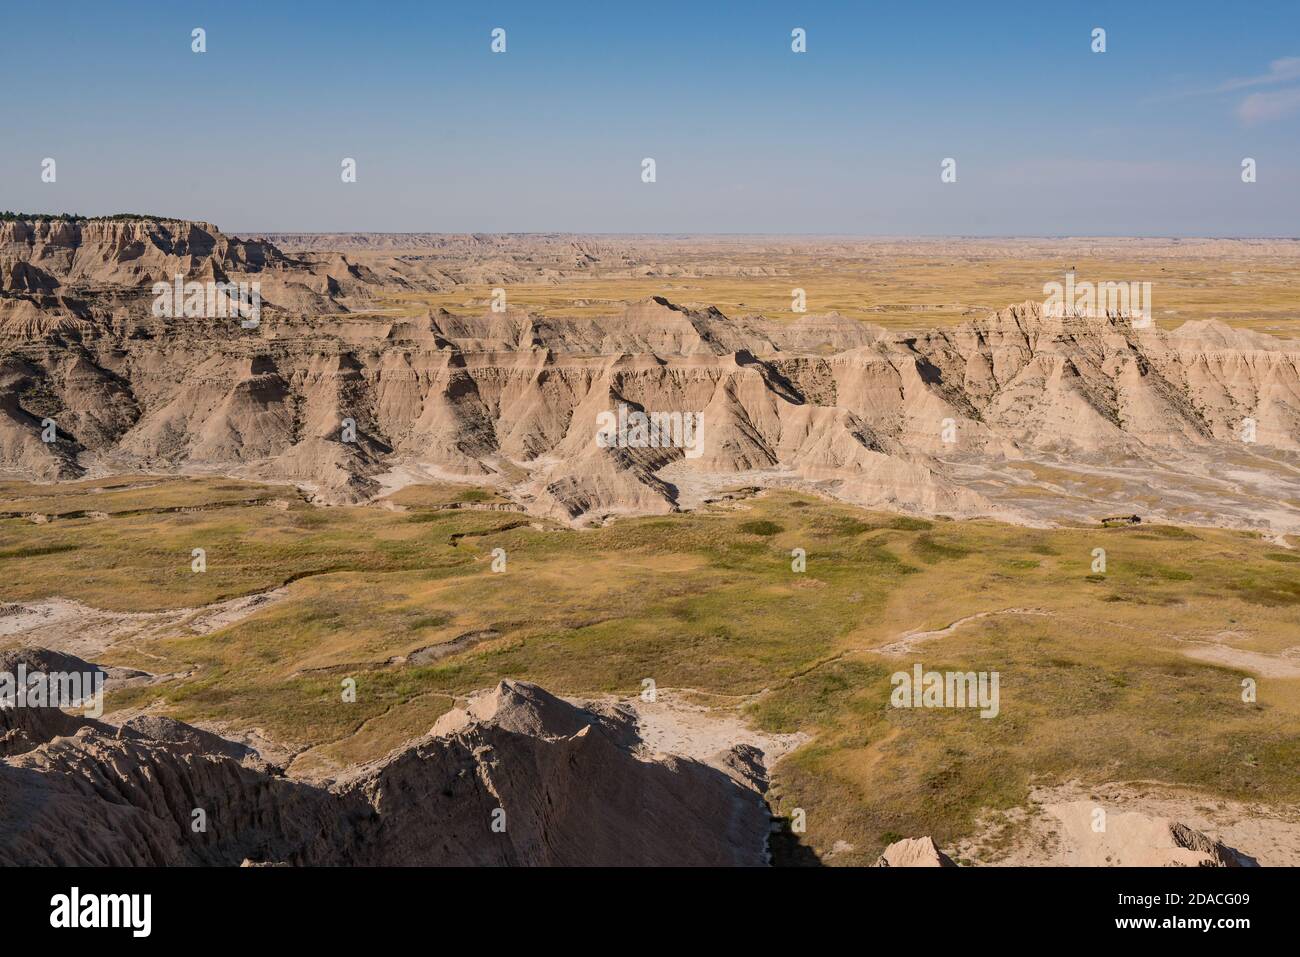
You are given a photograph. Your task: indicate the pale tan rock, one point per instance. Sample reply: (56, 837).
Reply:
(914, 852)
(511, 399)
(565, 785)
(1134, 839)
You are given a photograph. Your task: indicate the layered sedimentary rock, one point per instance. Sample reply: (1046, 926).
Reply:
(333, 397)
(520, 777)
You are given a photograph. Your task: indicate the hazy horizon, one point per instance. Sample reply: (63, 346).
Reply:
(749, 138)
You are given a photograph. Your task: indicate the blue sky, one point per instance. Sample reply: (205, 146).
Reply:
(1049, 137)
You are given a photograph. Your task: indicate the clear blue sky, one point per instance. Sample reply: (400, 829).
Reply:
(1049, 137)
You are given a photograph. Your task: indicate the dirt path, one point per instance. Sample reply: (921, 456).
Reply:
(908, 642)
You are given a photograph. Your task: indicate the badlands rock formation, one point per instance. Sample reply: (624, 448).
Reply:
(511, 399)
(565, 786)
(1134, 839)
(914, 852)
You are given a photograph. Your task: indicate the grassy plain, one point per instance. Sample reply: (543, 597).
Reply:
(1094, 682)
(927, 288)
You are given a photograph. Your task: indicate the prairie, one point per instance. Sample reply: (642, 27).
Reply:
(1099, 682)
(906, 285)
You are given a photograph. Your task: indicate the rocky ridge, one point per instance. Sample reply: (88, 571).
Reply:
(331, 394)
(519, 777)
(515, 776)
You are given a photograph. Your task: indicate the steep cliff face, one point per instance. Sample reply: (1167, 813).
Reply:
(1096, 382)
(521, 777)
(827, 403)
(91, 278)
(128, 252)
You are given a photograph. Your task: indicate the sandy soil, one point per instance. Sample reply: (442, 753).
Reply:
(694, 488)
(1285, 665)
(1055, 828)
(1212, 488)
(672, 724)
(61, 624)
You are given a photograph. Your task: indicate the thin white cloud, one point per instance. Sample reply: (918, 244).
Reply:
(1264, 107)
(1282, 70)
